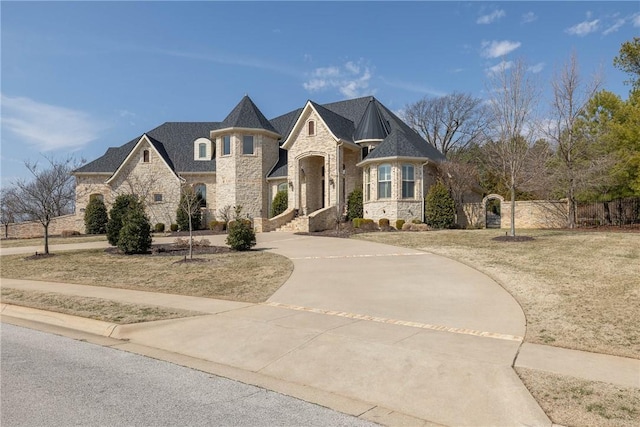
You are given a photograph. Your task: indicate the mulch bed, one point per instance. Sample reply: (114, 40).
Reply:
(513, 239)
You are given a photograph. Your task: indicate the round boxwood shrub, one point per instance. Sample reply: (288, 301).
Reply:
(399, 224)
(159, 227)
(173, 227)
(241, 236)
(280, 203)
(383, 222)
(354, 205)
(440, 209)
(118, 212)
(96, 217)
(135, 234)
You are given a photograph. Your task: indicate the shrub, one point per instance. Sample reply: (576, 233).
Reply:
(354, 205)
(357, 222)
(368, 225)
(179, 242)
(408, 226)
(440, 209)
(383, 222)
(416, 221)
(173, 227)
(280, 203)
(399, 224)
(241, 235)
(95, 217)
(135, 234)
(159, 227)
(205, 243)
(69, 233)
(217, 226)
(118, 212)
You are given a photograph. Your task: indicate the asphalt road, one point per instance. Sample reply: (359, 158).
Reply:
(56, 381)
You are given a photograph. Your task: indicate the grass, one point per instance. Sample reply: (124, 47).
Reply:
(39, 241)
(572, 401)
(92, 308)
(251, 276)
(578, 290)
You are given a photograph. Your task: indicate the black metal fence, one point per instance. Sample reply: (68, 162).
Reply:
(618, 212)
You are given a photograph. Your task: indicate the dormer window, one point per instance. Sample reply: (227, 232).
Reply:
(202, 149)
(312, 128)
(145, 156)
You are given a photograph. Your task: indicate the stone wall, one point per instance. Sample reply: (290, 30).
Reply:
(26, 230)
(529, 214)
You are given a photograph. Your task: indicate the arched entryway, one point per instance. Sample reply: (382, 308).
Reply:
(312, 184)
(492, 205)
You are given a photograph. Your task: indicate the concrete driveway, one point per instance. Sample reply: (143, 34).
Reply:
(396, 328)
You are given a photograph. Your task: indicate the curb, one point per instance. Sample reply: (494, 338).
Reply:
(96, 327)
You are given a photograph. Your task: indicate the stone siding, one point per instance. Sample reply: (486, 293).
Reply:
(31, 229)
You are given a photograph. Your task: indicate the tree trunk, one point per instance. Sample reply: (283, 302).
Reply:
(6, 231)
(190, 238)
(46, 238)
(571, 220)
(512, 232)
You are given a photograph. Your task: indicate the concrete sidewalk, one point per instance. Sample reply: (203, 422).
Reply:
(406, 335)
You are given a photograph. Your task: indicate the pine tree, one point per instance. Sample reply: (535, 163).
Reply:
(440, 209)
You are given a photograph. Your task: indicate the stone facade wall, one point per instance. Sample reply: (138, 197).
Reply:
(396, 207)
(241, 178)
(209, 212)
(148, 179)
(26, 230)
(88, 185)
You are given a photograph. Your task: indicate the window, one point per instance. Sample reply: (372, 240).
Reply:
(384, 181)
(367, 184)
(157, 197)
(202, 150)
(96, 196)
(282, 187)
(226, 145)
(145, 156)
(408, 182)
(247, 144)
(201, 192)
(312, 127)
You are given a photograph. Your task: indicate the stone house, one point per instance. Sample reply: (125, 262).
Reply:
(318, 153)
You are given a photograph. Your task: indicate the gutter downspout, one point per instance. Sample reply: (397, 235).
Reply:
(422, 190)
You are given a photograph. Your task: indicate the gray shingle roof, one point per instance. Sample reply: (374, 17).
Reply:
(247, 115)
(342, 127)
(280, 169)
(372, 125)
(174, 140)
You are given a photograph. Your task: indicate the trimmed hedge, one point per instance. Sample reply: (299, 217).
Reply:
(96, 217)
(440, 209)
(355, 205)
(280, 203)
(399, 224)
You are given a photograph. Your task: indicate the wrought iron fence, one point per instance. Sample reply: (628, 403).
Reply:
(616, 212)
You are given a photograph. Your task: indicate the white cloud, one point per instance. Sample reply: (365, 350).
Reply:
(492, 17)
(615, 27)
(583, 28)
(537, 67)
(48, 127)
(495, 49)
(502, 66)
(351, 79)
(529, 17)
(636, 20)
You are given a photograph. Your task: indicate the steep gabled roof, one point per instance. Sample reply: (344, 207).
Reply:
(247, 115)
(372, 125)
(340, 126)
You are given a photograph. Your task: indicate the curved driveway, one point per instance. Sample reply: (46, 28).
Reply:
(395, 328)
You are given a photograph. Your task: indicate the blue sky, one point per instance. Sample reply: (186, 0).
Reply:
(78, 77)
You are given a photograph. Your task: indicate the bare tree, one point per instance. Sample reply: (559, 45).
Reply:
(190, 204)
(461, 178)
(448, 122)
(8, 213)
(49, 194)
(570, 98)
(513, 100)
